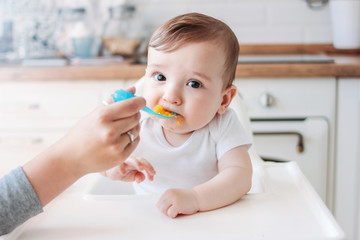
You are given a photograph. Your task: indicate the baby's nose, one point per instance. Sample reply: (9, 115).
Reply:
(172, 95)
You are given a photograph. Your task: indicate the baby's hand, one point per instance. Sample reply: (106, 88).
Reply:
(131, 170)
(178, 201)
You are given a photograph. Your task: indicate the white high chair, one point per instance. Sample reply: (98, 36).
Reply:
(266, 184)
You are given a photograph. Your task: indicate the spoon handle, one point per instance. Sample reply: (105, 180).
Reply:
(123, 95)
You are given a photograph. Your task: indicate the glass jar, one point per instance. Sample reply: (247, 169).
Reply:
(122, 32)
(75, 38)
(119, 21)
(6, 38)
(27, 29)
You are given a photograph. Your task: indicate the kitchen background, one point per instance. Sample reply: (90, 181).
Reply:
(32, 27)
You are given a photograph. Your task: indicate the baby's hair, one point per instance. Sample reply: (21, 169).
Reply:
(196, 27)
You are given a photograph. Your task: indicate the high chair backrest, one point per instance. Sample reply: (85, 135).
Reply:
(239, 107)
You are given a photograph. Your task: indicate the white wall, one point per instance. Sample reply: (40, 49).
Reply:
(253, 21)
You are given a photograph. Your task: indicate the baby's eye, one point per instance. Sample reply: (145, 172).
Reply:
(159, 77)
(194, 84)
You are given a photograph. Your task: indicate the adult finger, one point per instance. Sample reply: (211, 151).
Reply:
(126, 124)
(127, 137)
(126, 150)
(131, 89)
(109, 99)
(123, 109)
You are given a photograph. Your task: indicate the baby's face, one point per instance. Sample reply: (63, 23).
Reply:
(187, 81)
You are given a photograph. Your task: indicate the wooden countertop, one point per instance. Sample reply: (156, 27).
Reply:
(346, 64)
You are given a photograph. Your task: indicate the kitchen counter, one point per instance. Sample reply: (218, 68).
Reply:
(343, 66)
(346, 64)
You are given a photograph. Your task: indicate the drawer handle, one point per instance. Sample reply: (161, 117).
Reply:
(300, 143)
(266, 100)
(37, 140)
(317, 4)
(34, 106)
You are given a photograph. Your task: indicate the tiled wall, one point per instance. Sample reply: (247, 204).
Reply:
(253, 21)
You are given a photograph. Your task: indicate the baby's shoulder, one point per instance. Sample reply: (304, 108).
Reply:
(221, 122)
(224, 119)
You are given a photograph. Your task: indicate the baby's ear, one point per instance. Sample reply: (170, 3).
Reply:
(227, 96)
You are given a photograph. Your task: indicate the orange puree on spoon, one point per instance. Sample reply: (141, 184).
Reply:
(160, 109)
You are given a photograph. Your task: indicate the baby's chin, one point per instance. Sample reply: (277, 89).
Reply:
(173, 126)
(178, 131)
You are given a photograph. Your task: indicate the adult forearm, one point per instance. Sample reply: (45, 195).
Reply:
(50, 175)
(225, 188)
(18, 201)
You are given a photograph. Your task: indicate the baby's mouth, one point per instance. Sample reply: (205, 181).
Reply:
(168, 110)
(162, 111)
(178, 117)
(172, 112)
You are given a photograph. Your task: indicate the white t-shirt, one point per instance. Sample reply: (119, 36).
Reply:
(195, 161)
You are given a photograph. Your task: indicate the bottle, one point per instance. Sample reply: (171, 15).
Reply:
(119, 21)
(345, 23)
(121, 35)
(75, 38)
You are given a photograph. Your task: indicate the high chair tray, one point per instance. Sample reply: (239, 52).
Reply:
(282, 205)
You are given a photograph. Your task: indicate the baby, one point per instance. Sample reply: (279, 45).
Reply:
(201, 162)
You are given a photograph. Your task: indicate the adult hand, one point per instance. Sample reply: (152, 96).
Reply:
(97, 142)
(100, 140)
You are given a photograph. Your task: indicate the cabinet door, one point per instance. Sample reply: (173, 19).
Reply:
(289, 97)
(286, 112)
(347, 197)
(46, 104)
(18, 147)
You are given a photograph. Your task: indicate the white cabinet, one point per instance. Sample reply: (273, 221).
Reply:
(293, 97)
(46, 104)
(19, 146)
(34, 115)
(293, 119)
(347, 197)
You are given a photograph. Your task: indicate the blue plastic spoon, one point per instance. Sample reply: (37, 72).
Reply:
(123, 95)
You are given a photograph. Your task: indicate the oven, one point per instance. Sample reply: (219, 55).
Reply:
(293, 120)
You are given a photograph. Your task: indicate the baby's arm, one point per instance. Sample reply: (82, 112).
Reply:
(229, 185)
(232, 182)
(131, 170)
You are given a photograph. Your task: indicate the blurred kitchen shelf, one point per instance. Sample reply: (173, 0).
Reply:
(325, 62)
(286, 58)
